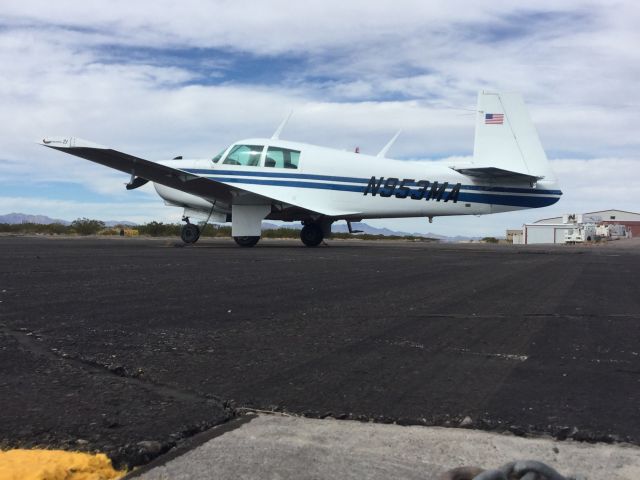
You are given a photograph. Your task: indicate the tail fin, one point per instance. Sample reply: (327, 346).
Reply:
(506, 141)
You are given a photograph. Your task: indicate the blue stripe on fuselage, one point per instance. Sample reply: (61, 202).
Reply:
(333, 178)
(302, 176)
(468, 197)
(509, 200)
(288, 183)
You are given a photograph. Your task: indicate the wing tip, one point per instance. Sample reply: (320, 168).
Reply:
(68, 142)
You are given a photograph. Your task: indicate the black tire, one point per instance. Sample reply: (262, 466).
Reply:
(247, 241)
(311, 235)
(190, 233)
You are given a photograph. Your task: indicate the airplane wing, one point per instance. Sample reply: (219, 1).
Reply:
(164, 175)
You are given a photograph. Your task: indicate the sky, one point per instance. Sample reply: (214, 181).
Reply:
(159, 79)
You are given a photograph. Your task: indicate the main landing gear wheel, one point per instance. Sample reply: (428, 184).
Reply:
(190, 233)
(246, 241)
(311, 235)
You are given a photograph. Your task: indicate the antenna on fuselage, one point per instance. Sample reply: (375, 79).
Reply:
(382, 153)
(277, 133)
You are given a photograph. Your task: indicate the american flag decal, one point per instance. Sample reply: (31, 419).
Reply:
(493, 118)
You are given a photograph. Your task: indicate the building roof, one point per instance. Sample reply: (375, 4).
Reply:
(612, 210)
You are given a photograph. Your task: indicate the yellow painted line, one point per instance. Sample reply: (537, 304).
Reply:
(56, 465)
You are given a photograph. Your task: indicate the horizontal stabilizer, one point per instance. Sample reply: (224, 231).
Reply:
(493, 173)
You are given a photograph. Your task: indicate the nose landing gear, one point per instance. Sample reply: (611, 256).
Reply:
(189, 233)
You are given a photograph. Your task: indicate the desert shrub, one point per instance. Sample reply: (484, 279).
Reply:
(490, 240)
(87, 226)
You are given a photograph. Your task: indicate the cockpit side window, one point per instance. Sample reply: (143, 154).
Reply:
(246, 155)
(282, 158)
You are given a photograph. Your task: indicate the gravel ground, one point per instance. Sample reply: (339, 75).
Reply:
(129, 346)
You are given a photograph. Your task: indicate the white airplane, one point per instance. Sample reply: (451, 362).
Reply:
(269, 178)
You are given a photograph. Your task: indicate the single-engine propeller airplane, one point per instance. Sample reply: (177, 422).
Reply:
(269, 178)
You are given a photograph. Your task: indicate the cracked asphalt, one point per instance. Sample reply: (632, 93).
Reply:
(130, 346)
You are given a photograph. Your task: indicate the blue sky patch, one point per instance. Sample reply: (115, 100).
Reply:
(213, 66)
(529, 23)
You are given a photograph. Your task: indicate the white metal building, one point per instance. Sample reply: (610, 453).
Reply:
(543, 233)
(569, 227)
(603, 217)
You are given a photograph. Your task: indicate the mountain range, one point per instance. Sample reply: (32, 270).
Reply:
(13, 218)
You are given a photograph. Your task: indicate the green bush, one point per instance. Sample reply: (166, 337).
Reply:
(159, 229)
(217, 231)
(24, 228)
(490, 240)
(86, 226)
(281, 232)
(56, 228)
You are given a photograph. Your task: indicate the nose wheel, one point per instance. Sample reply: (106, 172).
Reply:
(190, 233)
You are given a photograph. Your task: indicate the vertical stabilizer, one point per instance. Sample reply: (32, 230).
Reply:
(506, 137)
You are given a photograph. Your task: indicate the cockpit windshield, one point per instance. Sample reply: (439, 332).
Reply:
(217, 158)
(247, 155)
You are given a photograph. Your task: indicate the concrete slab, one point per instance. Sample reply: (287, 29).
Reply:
(278, 447)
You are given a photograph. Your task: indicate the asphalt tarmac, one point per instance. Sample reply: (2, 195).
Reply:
(130, 346)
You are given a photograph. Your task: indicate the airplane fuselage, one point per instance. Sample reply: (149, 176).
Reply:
(362, 186)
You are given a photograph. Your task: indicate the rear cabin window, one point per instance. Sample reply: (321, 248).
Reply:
(246, 155)
(282, 158)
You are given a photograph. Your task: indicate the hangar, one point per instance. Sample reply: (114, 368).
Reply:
(578, 227)
(604, 217)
